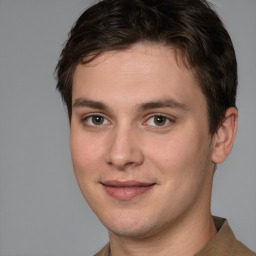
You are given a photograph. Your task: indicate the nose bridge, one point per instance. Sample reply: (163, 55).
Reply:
(124, 147)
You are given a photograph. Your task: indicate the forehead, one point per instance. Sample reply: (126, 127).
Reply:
(139, 73)
(140, 55)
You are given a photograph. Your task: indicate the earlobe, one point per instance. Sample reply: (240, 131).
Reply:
(225, 136)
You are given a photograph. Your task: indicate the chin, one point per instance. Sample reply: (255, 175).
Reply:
(128, 225)
(130, 231)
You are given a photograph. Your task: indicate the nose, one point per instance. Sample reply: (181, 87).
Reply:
(124, 149)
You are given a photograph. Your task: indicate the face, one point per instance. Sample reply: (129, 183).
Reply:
(140, 141)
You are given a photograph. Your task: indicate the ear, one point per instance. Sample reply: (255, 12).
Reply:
(225, 136)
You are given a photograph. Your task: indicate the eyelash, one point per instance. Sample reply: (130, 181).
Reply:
(167, 120)
(87, 117)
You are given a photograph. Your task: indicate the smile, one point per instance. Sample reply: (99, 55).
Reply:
(126, 190)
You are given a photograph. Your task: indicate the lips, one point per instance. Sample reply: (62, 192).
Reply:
(126, 190)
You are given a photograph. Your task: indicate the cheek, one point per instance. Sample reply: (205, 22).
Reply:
(171, 150)
(85, 158)
(180, 154)
(85, 155)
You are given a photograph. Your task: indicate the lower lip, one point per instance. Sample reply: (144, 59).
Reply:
(126, 193)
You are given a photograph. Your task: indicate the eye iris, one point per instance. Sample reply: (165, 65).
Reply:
(159, 120)
(97, 120)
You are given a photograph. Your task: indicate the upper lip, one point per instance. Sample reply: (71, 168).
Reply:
(129, 183)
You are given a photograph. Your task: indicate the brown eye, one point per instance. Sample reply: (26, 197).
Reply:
(97, 120)
(160, 120)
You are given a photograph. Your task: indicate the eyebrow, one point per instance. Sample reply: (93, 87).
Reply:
(83, 102)
(168, 103)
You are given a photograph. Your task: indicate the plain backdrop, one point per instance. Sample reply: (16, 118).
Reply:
(42, 212)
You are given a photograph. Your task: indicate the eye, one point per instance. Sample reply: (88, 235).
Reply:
(95, 120)
(158, 120)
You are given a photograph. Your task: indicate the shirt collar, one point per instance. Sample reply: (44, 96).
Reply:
(221, 243)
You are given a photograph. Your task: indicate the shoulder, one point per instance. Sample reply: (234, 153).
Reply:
(224, 243)
(239, 248)
(228, 240)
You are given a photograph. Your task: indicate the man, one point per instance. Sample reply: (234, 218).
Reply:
(150, 88)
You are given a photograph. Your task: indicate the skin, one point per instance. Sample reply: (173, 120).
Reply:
(116, 136)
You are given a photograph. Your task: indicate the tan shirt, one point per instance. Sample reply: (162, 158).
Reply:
(223, 243)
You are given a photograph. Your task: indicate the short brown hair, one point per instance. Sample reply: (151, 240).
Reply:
(190, 26)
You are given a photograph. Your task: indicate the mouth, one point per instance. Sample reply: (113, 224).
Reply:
(126, 190)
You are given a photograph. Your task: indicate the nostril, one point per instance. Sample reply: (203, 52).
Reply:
(122, 162)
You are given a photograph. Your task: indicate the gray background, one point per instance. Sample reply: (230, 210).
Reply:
(41, 209)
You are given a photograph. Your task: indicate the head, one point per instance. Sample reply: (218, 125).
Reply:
(191, 27)
(150, 90)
